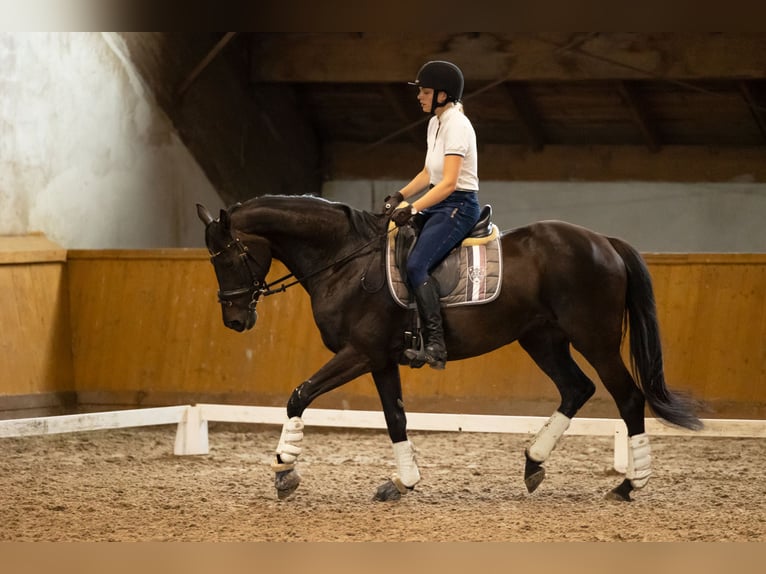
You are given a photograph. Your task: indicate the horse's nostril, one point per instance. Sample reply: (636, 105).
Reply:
(238, 326)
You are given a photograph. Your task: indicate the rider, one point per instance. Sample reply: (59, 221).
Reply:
(450, 208)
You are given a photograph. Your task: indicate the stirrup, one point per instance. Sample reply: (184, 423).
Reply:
(416, 357)
(419, 357)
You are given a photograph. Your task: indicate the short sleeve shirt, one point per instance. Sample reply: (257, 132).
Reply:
(452, 134)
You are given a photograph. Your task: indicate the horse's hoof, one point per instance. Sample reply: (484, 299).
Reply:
(532, 481)
(534, 474)
(386, 492)
(621, 493)
(286, 482)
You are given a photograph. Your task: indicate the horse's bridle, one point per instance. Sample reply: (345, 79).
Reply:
(225, 296)
(258, 287)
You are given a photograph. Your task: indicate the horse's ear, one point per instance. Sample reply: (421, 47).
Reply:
(204, 214)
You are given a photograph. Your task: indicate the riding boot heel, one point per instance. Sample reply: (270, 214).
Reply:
(435, 357)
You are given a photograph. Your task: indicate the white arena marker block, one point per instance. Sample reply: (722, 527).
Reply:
(191, 436)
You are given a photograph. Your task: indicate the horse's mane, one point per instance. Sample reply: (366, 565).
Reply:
(362, 223)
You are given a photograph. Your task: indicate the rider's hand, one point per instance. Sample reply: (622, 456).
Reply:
(403, 215)
(391, 202)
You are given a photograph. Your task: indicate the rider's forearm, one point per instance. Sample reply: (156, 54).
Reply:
(418, 184)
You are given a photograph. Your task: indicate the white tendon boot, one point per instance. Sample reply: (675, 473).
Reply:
(288, 448)
(407, 473)
(546, 438)
(639, 460)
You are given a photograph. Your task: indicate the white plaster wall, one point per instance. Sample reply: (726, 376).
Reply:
(86, 155)
(654, 217)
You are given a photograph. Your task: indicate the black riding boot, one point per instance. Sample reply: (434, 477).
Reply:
(429, 308)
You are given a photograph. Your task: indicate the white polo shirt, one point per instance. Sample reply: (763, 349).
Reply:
(452, 134)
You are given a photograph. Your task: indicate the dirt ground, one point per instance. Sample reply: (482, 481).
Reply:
(127, 485)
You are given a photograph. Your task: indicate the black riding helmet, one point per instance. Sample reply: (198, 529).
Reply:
(440, 76)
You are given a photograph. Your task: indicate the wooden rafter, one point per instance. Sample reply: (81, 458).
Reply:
(759, 114)
(527, 114)
(640, 115)
(485, 57)
(205, 62)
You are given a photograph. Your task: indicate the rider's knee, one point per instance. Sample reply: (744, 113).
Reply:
(415, 274)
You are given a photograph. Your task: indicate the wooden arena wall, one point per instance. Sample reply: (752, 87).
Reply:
(146, 326)
(35, 353)
(145, 329)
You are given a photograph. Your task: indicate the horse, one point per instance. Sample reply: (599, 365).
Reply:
(563, 286)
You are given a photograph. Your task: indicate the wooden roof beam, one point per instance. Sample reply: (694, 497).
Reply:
(204, 63)
(758, 111)
(641, 116)
(527, 114)
(395, 57)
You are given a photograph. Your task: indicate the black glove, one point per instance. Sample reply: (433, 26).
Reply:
(403, 215)
(391, 202)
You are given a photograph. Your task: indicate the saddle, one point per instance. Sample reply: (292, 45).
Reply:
(470, 274)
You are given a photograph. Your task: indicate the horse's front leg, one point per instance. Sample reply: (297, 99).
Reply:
(346, 365)
(407, 474)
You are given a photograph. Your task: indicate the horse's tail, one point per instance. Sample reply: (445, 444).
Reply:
(645, 346)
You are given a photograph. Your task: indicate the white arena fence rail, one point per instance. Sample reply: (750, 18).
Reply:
(192, 420)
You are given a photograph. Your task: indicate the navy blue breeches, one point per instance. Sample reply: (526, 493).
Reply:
(444, 226)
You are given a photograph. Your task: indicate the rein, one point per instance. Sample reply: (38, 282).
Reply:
(224, 297)
(267, 290)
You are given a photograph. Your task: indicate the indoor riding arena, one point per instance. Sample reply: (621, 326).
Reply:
(129, 412)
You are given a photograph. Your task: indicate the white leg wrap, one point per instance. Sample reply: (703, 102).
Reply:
(289, 448)
(546, 438)
(407, 472)
(639, 460)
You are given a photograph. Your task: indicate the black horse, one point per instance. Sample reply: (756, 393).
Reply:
(563, 286)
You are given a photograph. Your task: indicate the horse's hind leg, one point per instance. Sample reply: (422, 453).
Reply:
(630, 403)
(549, 348)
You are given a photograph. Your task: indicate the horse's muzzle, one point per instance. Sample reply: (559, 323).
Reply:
(239, 325)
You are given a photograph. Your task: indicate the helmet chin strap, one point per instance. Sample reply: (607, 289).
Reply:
(435, 103)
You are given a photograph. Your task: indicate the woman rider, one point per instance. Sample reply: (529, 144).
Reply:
(450, 208)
